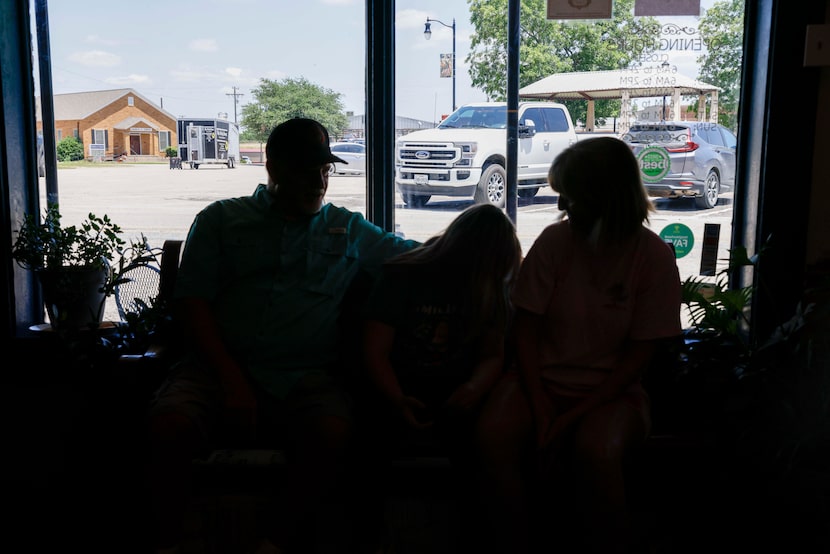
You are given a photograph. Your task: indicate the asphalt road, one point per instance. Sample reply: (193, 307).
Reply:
(161, 203)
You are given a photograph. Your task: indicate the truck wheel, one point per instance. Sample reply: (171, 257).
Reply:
(195, 166)
(711, 190)
(492, 186)
(416, 200)
(528, 193)
(230, 163)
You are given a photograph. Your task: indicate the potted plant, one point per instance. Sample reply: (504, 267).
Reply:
(78, 267)
(767, 401)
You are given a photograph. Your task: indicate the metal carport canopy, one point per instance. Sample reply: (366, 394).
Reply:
(622, 84)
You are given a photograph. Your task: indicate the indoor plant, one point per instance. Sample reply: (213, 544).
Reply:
(78, 267)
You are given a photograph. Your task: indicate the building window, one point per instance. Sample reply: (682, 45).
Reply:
(99, 136)
(130, 101)
(60, 135)
(164, 140)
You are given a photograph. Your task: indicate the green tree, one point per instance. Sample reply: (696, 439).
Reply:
(276, 101)
(70, 149)
(547, 47)
(722, 31)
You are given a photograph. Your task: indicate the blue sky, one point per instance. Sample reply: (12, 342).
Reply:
(189, 55)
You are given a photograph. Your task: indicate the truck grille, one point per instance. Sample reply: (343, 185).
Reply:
(428, 154)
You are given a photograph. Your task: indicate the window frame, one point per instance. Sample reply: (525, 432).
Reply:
(167, 135)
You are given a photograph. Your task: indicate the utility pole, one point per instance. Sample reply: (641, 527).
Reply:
(235, 95)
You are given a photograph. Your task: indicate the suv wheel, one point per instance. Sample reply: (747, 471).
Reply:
(492, 186)
(528, 193)
(711, 190)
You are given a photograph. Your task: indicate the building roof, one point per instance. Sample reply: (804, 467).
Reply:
(80, 105)
(595, 85)
(129, 122)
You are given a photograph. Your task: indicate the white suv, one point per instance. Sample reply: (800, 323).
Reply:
(466, 154)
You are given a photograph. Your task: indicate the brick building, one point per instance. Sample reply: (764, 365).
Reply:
(113, 123)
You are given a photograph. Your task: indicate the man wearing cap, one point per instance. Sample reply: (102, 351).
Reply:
(258, 297)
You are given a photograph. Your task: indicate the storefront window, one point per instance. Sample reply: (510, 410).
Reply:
(307, 62)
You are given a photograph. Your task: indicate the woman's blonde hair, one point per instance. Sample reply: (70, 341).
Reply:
(480, 250)
(600, 177)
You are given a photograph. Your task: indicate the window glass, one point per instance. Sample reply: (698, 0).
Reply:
(226, 77)
(729, 139)
(713, 136)
(662, 53)
(555, 120)
(223, 63)
(536, 115)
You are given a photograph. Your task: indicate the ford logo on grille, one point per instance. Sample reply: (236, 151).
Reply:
(422, 154)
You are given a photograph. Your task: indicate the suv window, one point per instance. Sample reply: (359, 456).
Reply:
(729, 139)
(711, 135)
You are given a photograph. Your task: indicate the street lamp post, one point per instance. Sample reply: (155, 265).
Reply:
(428, 35)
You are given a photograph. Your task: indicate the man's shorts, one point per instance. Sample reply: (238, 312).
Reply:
(197, 393)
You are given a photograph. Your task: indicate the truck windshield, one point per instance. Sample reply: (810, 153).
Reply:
(477, 117)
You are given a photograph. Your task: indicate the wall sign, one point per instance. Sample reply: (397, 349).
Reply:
(666, 7)
(680, 236)
(579, 9)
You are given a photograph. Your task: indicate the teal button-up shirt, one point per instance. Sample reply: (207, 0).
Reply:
(276, 285)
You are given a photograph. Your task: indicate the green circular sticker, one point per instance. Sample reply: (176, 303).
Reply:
(654, 163)
(680, 236)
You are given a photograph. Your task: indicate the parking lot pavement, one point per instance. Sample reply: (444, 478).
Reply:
(161, 203)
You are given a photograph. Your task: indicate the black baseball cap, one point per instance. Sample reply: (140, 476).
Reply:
(301, 141)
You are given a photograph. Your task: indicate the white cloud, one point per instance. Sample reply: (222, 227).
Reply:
(203, 45)
(97, 58)
(233, 71)
(131, 79)
(338, 2)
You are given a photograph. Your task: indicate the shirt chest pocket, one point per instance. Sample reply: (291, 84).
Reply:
(330, 264)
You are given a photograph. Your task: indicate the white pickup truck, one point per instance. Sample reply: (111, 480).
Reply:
(466, 154)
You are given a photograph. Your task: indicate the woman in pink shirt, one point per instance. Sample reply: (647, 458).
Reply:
(595, 295)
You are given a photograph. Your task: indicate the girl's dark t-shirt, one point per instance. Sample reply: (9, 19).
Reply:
(431, 353)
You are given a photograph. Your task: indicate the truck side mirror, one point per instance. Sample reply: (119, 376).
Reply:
(527, 129)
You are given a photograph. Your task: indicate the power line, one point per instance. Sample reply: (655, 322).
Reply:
(235, 96)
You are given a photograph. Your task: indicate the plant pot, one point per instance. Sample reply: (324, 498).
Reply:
(74, 297)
